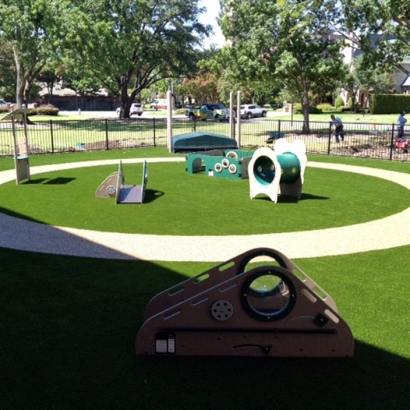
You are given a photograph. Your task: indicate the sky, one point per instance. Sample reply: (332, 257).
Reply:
(209, 17)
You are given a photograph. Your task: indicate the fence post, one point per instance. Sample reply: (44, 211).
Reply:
(330, 139)
(52, 137)
(392, 142)
(107, 145)
(155, 135)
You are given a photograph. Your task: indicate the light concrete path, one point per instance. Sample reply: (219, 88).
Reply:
(389, 232)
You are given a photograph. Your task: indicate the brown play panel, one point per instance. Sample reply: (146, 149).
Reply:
(258, 303)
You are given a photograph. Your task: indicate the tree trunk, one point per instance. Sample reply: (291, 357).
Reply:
(20, 81)
(305, 110)
(125, 100)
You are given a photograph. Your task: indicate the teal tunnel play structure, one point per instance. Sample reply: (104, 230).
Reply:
(278, 171)
(231, 164)
(266, 171)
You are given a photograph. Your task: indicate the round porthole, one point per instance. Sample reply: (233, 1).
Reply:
(225, 163)
(218, 167)
(232, 154)
(232, 169)
(268, 294)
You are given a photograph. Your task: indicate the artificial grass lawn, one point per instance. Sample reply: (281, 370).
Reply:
(182, 204)
(68, 328)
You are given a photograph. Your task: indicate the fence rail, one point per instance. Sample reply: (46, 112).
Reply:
(361, 139)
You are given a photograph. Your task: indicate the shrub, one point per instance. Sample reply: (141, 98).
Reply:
(325, 107)
(46, 109)
(297, 109)
(339, 102)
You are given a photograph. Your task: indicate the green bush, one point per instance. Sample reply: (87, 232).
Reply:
(46, 109)
(339, 102)
(389, 103)
(325, 107)
(297, 109)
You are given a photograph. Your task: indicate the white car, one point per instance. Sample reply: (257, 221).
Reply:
(136, 108)
(251, 110)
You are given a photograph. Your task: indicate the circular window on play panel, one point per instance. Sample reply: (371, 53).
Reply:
(269, 295)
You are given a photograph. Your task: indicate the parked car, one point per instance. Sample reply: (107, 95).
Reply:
(213, 111)
(136, 108)
(251, 110)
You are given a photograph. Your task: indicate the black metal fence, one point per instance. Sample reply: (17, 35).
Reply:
(366, 140)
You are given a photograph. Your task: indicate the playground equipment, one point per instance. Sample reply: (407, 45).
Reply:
(114, 187)
(21, 146)
(278, 172)
(232, 164)
(270, 310)
(402, 144)
(201, 141)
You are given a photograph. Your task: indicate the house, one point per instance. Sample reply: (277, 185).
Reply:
(66, 99)
(401, 79)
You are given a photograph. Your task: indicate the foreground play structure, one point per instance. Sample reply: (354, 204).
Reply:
(114, 187)
(246, 307)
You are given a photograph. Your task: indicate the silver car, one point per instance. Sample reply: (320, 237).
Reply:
(136, 108)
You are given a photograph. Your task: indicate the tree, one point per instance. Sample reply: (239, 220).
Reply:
(380, 29)
(31, 27)
(8, 71)
(283, 43)
(144, 41)
(203, 88)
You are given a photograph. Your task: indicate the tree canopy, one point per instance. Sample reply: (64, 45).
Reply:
(31, 27)
(285, 43)
(143, 41)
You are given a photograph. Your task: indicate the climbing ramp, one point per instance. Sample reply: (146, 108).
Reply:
(114, 187)
(131, 194)
(259, 303)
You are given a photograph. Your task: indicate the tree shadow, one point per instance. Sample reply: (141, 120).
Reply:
(49, 181)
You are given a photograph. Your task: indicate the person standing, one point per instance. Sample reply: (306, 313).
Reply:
(401, 121)
(338, 124)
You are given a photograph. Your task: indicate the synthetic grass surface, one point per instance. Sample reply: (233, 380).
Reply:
(178, 203)
(68, 328)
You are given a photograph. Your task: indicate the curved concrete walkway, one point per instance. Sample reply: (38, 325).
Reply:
(379, 234)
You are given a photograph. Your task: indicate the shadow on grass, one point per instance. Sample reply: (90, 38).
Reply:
(50, 181)
(151, 195)
(292, 200)
(68, 331)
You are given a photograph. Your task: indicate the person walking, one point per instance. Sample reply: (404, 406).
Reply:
(338, 124)
(401, 121)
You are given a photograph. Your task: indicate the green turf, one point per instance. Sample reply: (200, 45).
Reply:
(68, 328)
(174, 199)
